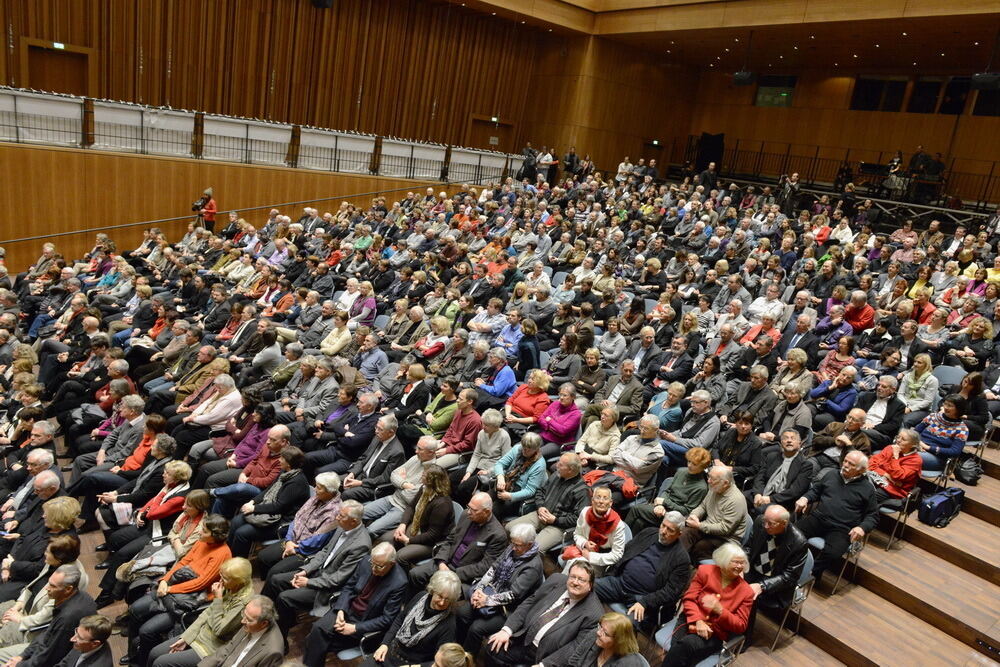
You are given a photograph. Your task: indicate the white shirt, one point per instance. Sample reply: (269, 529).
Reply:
(254, 638)
(876, 413)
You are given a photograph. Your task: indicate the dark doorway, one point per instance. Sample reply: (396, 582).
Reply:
(57, 71)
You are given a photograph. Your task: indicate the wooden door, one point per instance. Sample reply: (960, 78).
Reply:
(57, 71)
(491, 136)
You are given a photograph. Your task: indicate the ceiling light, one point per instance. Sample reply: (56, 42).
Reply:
(914, 63)
(671, 42)
(876, 46)
(904, 34)
(795, 48)
(942, 55)
(522, 22)
(493, 14)
(812, 36)
(836, 64)
(668, 50)
(720, 57)
(781, 57)
(737, 39)
(975, 43)
(854, 55)
(727, 50)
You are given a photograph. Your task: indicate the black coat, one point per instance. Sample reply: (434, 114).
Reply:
(52, 645)
(391, 458)
(894, 411)
(808, 343)
(291, 496)
(744, 458)
(580, 618)
(672, 576)
(481, 554)
(800, 476)
(788, 563)
(423, 650)
(383, 605)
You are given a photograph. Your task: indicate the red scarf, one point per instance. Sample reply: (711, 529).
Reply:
(601, 528)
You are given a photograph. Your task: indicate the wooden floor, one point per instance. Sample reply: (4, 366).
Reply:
(933, 600)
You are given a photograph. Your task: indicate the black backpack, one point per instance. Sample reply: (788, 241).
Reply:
(969, 470)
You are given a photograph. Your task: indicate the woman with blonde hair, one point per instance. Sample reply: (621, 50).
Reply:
(611, 644)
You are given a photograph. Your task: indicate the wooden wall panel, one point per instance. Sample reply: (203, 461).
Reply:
(55, 190)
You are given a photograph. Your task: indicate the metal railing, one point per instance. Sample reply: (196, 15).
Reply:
(29, 116)
(819, 166)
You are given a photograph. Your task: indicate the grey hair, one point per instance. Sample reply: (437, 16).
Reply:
(389, 422)
(492, 417)
(568, 386)
(120, 387)
(134, 403)
(759, 369)
(523, 531)
(119, 365)
(71, 574)
(727, 472)
(42, 455)
(45, 426)
(47, 479)
(674, 517)
(889, 380)
(225, 381)
(267, 611)
(498, 353)
(385, 549)
(481, 345)
(533, 440)
(649, 419)
(484, 498)
(446, 584)
(725, 554)
(910, 434)
(702, 395)
(369, 399)
(329, 481)
(354, 509)
(296, 349)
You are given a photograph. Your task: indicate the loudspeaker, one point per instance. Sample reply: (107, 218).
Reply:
(322, 4)
(985, 81)
(744, 78)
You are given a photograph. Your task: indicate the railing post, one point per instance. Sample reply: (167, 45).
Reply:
(142, 131)
(335, 156)
(986, 187)
(87, 124)
(294, 142)
(246, 147)
(17, 122)
(410, 170)
(198, 136)
(812, 168)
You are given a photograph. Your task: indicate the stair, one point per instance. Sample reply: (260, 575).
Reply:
(968, 542)
(982, 500)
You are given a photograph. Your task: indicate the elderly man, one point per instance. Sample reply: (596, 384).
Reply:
(622, 391)
(832, 399)
(562, 609)
(776, 555)
(859, 313)
(557, 503)
(895, 470)
(51, 645)
(343, 441)
(36, 462)
(793, 311)
(311, 588)
(675, 365)
(733, 316)
(384, 514)
(784, 476)
(721, 517)
(644, 352)
(499, 385)
(234, 486)
(39, 439)
(29, 518)
(119, 444)
(367, 603)
(846, 510)
(699, 428)
(800, 336)
(726, 347)
(753, 396)
(258, 643)
(640, 455)
(653, 572)
(836, 439)
(471, 547)
(884, 411)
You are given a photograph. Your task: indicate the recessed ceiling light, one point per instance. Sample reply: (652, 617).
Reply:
(904, 34)
(975, 43)
(718, 57)
(671, 42)
(550, 29)
(493, 14)
(737, 39)
(812, 36)
(727, 50)
(836, 64)
(781, 57)
(668, 50)
(876, 46)
(854, 55)
(942, 55)
(522, 22)
(795, 48)
(914, 63)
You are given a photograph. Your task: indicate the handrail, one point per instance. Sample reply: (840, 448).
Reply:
(246, 208)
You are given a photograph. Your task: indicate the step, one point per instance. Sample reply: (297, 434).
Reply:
(940, 593)
(859, 628)
(968, 542)
(991, 462)
(983, 499)
(790, 652)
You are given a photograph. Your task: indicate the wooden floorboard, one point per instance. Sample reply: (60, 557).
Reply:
(983, 499)
(968, 542)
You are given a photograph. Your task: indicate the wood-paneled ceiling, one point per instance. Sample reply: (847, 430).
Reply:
(951, 44)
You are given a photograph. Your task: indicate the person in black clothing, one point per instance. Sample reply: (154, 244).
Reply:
(847, 510)
(777, 557)
(784, 475)
(652, 574)
(71, 605)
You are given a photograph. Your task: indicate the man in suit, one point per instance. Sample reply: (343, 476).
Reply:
(777, 556)
(644, 352)
(119, 444)
(622, 391)
(90, 644)
(364, 606)
(838, 438)
(53, 644)
(311, 588)
(373, 469)
(344, 441)
(653, 572)
(312, 398)
(675, 365)
(217, 311)
(883, 412)
(791, 313)
(784, 476)
(725, 347)
(801, 337)
(257, 644)
(562, 609)
(908, 344)
(473, 544)
(754, 396)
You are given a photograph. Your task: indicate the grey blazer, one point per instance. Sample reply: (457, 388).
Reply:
(122, 441)
(328, 580)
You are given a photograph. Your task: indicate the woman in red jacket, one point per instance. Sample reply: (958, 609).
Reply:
(526, 405)
(716, 606)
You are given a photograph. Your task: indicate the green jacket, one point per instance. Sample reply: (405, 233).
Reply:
(218, 623)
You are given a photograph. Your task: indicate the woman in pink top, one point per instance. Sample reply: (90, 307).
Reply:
(560, 422)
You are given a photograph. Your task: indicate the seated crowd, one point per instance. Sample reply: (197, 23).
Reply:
(392, 421)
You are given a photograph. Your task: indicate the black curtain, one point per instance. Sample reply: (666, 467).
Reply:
(710, 149)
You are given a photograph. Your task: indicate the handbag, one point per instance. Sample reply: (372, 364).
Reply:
(262, 520)
(153, 561)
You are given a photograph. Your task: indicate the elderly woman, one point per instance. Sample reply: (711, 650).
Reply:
(33, 607)
(599, 536)
(590, 379)
(687, 488)
(26, 557)
(716, 606)
(666, 406)
(363, 310)
(309, 530)
(492, 442)
(237, 448)
(794, 372)
(515, 575)
(525, 406)
(216, 625)
(260, 518)
(150, 618)
(612, 644)
(612, 345)
(709, 378)
(839, 357)
(599, 441)
(425, 623)
(123, 564)
(971, 349)
(518, 475)
(560, 421)
(211, 415)
(425, 521)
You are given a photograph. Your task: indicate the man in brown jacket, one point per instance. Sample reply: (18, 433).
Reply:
(257, 644)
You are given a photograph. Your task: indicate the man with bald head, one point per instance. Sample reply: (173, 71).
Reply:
(836, 439)
(471, 547)
(777, 556)
(846, 510)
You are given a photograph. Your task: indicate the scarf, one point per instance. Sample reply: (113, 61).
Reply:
(313, 517)
(419, 622)
(601, 528)
(522, 466)
(503, 570)
(915, 384)
(271, 492)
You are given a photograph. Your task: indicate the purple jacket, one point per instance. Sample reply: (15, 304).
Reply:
(559, 423)
(248, 448)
